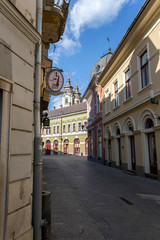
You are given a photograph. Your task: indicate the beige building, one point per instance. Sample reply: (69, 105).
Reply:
(130, 121)
(20, 41)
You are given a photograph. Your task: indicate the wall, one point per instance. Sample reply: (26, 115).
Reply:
(17, 46)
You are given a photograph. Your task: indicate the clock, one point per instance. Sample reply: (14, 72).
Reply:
(55, 80)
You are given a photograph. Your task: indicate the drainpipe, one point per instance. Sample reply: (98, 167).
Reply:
(37, 163)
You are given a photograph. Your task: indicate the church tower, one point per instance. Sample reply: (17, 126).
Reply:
(68, 94)
(77, 95)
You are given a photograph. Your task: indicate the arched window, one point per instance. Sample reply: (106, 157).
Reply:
(117, 131)
(149, 123)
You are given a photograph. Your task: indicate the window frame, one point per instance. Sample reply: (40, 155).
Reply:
(116, 93)
(141, 53)
(69, 127)
(144, 69)
(64, 128)
(128, 84)
(74, 130)
(79, 126)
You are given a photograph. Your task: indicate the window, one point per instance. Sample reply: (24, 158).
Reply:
(74, 127)
(90, 110)
(42, 131)
(69, 128)
(79, 126)
(149, 123)
(85, 125)
(54, 130)
(116, 101)
(98, 104)
(127, 84)
(107, 101)
(66, 101)
(144, 69)
(57, 129)
(49, 130)
(64, 128)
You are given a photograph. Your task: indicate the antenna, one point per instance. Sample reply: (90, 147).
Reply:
(109, 48)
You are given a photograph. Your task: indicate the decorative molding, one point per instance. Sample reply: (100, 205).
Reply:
(15, 16)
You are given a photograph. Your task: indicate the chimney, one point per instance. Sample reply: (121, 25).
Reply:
(69, 103)
(54, 108)
(61, 106)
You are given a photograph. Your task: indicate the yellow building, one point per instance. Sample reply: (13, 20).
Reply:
(131, 97)
(67, 133)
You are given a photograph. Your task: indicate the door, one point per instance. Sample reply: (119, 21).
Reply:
(55, 146)
(48, 147)
(66, 146)
(77, 147)
(99, 144)
(86, 147)
(119, 151)
(109, 150)
(133, 159)
(152, 153)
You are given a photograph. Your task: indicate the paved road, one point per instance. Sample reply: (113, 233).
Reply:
(94, 202)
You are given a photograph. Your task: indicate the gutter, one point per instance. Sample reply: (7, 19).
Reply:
(37, 163)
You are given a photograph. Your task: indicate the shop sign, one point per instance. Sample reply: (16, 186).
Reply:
(55, 80)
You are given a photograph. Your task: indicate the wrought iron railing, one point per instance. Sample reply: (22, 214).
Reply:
(59, 4)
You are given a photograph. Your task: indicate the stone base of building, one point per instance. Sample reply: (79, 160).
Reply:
(96, 159)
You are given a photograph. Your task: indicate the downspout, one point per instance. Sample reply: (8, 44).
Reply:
(37, 163)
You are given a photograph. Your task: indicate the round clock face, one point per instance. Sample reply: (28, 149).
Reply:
(55, 80)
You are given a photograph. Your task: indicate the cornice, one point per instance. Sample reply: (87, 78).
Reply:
(16, 17)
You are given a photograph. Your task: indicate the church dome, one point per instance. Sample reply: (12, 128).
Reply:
(100, 65)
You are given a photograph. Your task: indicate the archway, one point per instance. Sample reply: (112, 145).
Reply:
(86, 146)
(77, 146)
(48, 147)
(151, 143)
(66, 146)
(55, 146)
(146, 125)
(117, 133)
(129, 127)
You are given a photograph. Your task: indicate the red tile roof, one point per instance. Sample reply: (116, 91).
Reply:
(68, 110)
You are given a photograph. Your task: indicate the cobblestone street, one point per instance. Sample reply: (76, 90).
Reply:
(91, 201)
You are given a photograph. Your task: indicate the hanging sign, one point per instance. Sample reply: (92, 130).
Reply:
(55, 80)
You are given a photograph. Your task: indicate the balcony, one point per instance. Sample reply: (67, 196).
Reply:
(54, 19)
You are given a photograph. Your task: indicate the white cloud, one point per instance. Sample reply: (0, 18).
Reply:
(92, 14)
(66, 46)
(55, 102)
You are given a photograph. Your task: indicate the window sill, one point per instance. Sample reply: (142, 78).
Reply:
(116, 107)
(145, 88)
(128, 100)
(106, 114)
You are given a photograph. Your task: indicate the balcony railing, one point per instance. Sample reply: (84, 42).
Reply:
(55, 13)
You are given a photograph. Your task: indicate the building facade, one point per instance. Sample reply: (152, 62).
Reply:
(67, 133)
(93, 95)
(130, 114)
(20, 41)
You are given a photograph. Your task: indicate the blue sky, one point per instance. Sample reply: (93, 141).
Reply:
(84, 41)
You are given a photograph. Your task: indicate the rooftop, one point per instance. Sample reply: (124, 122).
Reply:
(68, 110)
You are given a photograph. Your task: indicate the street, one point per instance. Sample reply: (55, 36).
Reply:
(91, 201)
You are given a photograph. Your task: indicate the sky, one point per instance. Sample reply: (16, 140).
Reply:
(89, 25)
